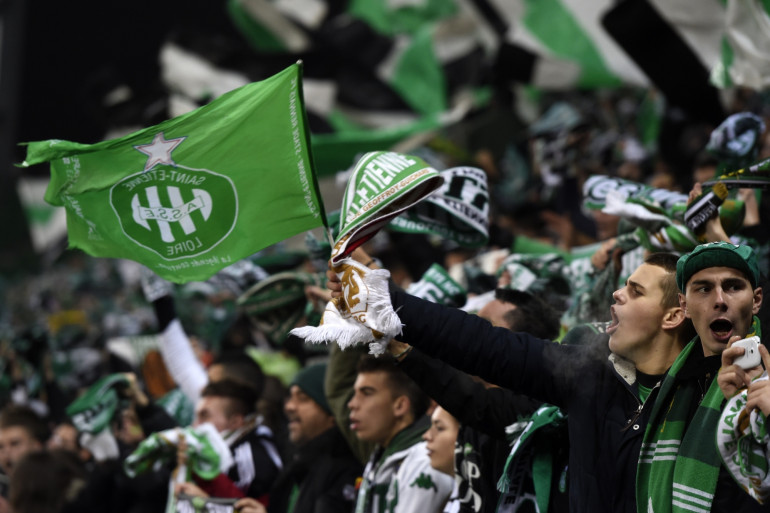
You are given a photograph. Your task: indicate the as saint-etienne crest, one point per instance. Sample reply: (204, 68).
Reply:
(173, 210)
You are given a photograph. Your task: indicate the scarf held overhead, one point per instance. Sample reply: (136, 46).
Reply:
(381, 186)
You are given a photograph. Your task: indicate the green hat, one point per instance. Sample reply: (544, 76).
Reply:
(311, 381)
(717, 254)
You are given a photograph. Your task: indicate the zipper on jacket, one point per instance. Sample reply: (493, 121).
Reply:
(640, 408)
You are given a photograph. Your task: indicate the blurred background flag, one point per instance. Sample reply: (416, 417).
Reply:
(195, 193)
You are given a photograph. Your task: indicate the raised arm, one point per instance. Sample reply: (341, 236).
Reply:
(473, 404)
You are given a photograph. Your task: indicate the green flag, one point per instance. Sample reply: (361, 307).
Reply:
(196, 193)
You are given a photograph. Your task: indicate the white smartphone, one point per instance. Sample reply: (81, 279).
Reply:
(751, 357)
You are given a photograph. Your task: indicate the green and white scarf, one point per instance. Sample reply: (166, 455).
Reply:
(93, 411)
(521, 435)
(208, 454)
(679, 463)
(744, 445)
(657, 214)
(382, 186)
(275, 305)
(437, 286)
(458, 211)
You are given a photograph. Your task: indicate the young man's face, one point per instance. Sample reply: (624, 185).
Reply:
(637, 315)
(64, 437)
(721, 303)
(214, 409)
(306, 418)
(372, 408)
(15, 442)
(440, 440)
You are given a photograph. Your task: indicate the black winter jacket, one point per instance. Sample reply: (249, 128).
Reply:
(325, 472)
(599, 395)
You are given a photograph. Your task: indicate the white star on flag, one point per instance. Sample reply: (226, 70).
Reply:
(159, 150)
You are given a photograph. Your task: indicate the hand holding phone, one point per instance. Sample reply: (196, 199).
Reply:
(751, 357)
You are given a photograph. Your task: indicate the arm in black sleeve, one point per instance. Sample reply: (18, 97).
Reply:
(165, 311)
(541, 369)
(154, 418)
(488, 410)
(56, 400)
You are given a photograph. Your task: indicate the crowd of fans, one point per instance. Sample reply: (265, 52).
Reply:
(126, 393)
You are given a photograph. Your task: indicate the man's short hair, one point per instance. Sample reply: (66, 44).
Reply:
(243, 398)
(532, 314)
(666, 261)
(18, 415)
(397, 381)
(239, 366)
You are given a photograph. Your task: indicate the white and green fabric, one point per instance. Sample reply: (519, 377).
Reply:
(527, 460)
(405, 54)
(458, 211)
(658, 214)
(47, 223)
(185, 197)
(208, 454)
(536, 273)
(597, 187)
(93, 411)
(275, 305)
(399, 478)
(381, 186)
(736, 141)
(745, 58)
(437, 286)
(744, 445)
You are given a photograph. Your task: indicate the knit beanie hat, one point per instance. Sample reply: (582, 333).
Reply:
(717, 254)
(311, 381)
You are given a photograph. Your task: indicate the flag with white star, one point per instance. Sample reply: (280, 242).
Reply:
(195, 193)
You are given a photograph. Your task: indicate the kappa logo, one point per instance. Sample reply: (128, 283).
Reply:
(424, 481)
(174, 210)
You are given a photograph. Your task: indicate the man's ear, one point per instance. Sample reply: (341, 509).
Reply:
(683, 304)
(757, 299)
(401, 406)
(235, 421)
(673, 318)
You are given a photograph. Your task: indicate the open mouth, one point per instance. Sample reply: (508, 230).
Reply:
(721, 329)
(613, 325)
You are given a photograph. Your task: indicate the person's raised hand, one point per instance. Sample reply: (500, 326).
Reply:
(732, 379)
(713, 231)
(333, 282)
(759, 391)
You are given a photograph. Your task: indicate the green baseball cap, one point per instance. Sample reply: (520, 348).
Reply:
(717, 254)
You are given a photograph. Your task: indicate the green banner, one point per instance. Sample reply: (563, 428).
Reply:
(196, 193)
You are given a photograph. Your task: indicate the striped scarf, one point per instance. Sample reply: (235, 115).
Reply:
(679, 463)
